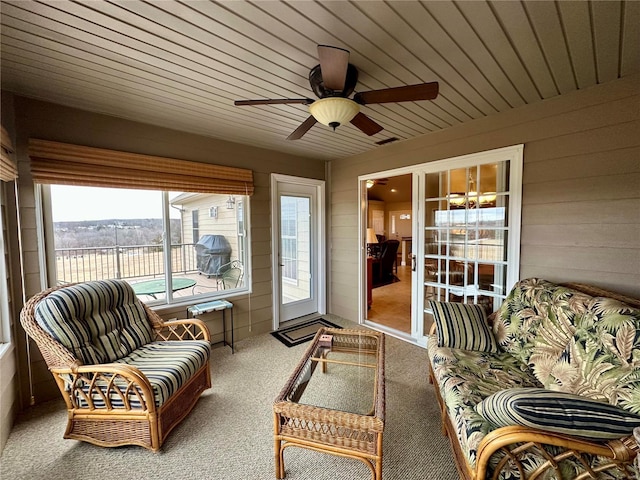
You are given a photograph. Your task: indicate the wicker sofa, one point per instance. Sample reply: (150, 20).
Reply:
(127, 376)
(551, 389)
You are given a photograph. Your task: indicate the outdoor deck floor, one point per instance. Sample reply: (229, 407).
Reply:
(203, 285)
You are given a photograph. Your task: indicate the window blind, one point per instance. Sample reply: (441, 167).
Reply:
(67, 164)
(8, 167)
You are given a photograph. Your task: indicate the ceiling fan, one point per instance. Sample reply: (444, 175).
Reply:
(332, 81)
(376, 181)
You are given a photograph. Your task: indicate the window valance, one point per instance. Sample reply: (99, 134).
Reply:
(67, 164)
(8, 167)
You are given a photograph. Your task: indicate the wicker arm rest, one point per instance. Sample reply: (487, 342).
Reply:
(517, 441)
(191, 329)
(433, 328)
(106, 387)
(188, 329)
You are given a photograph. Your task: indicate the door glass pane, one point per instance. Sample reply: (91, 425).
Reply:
(493, 215)
(434, 293)
(491, 277)
(295, 244)
(437, 184)
(458, 181)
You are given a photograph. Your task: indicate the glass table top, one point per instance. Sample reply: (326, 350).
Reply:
(341, 377)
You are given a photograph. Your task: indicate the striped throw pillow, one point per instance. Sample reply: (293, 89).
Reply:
(463, 325)
(557, 412)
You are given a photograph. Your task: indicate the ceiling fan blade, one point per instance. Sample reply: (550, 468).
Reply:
(276, 101)
(334, 62)
(302, 129)
(409, 93)
(365, 124)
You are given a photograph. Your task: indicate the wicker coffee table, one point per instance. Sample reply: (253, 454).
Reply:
(339, 407)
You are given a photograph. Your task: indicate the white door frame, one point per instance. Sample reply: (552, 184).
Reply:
(514, 153)
(319, 262)
(362, 228)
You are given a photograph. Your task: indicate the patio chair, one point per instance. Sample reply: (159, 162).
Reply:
(126, 375)
(230, 275)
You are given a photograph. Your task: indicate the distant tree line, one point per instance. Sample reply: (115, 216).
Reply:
(103, 233)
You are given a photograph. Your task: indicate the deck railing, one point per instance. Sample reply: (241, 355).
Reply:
(124, 261)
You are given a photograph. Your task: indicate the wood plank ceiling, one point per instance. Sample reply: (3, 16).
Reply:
(181, 64)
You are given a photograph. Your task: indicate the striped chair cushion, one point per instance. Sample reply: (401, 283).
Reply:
(462, 325)
(167, 366)
(99, 321)
(557, 412)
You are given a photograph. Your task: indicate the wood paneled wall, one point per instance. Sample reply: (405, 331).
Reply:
(253, 313)
(581, 187)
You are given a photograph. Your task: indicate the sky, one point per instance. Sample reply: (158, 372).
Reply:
(71, 203)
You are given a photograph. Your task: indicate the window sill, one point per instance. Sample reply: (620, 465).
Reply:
(171, 307)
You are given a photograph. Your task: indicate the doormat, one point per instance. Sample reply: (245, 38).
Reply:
(303, 332)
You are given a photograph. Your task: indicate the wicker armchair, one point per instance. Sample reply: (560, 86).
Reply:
(124, 397)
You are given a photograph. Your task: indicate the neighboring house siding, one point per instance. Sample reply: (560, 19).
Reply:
(225, 223)
(252, 313)
(581, 194)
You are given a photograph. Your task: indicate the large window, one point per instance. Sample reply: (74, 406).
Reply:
(156, 241)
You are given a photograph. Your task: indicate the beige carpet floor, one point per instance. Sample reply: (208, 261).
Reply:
(229, 434)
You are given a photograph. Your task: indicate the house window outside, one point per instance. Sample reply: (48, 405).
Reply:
(195, 226)
(139, 236)
(242, 233)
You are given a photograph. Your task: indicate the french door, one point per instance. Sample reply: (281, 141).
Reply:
(470, 224)
(466, 232)
(298, 239)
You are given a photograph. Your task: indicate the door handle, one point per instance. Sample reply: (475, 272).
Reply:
(413, 263)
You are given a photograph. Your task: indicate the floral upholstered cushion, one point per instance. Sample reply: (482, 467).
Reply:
(465, 378)
(557, 412)
(463, 325)
(533, 307)
(603, 360)
(573, 342)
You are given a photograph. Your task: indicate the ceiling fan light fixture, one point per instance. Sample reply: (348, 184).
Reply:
(334, 111)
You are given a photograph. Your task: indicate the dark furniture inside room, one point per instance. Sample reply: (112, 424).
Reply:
(383, 267)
